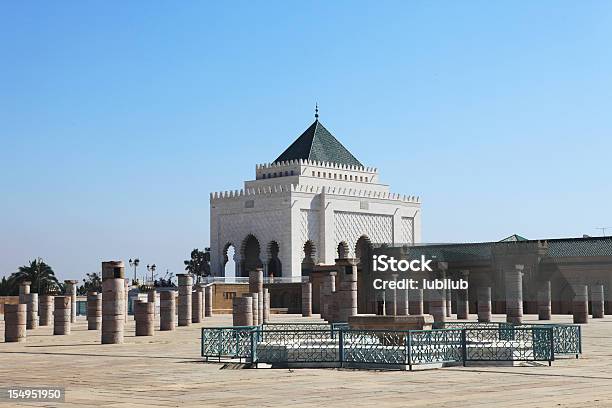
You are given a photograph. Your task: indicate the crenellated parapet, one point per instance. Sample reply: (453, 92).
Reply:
(311, 189)
(326, 165)
(316, 169)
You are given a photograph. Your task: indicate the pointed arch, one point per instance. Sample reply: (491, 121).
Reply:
(274, 264)
(363, 248)
(250, 251)
(308, 262)
(229, 260)
(343, 250)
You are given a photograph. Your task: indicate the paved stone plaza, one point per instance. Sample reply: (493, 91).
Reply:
(166, 370)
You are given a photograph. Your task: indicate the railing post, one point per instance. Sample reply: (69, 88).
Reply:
(202, 343)
(463, 346)
(552, 346)
(579, 341)
(341, 347)
(254, 336)
(219, 344)
(237, 345)
(409, 350)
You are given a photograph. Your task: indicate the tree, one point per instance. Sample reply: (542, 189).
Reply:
(92, 283)
(40, 275)
(7, 287)
(199, 264)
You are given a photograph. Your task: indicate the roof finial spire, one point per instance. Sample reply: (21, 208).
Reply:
(316, 111)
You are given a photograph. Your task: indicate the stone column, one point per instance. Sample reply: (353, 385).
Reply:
(260, 306)
(597, 301)
(201, 288)
(167, 310)
(71, 290)
(544, 302)
(255, 307)
(415, 301)
(334, 308)
(196, 306)
(437, 306)
(256, 279)
(306, 299)
(581, 304)
(463, 305)
(391, 300)
(152, 298)
(381, 297)
(208, 302)
(484, 304)
(113, 302)
(144, 314)
(449, 303)
(402, 302)
(347, 292)
(24, 290)
(126, 289)
(266, 308)
(242, 311)
(15, 321)
(185, 282)
(62, 315)
(45, 310)
(437, 297)
(32, 311)
(94, 310)
(328, 286)
(514, 295)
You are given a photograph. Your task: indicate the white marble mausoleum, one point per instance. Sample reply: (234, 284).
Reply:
(315, 199)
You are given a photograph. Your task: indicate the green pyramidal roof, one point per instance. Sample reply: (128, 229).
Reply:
(317, 144)
(514, 238)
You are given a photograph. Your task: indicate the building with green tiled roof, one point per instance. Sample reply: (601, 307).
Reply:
(317, 144)
(313, 197)
(565, 262)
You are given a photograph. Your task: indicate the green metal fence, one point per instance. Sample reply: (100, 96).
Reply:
(229, 342)
(337, 345)
(567, 338)
(525, 344)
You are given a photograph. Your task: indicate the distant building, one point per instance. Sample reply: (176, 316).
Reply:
(566, 263)
(314, 200)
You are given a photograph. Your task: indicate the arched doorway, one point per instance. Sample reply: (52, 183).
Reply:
(274, 264)
(309, 258)
(229, 261)
(343, 250)
(250, 255)
(363, 253)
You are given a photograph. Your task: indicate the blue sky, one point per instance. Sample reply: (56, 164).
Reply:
(118, 118)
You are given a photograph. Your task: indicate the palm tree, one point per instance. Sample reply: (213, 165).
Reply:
(38, 273)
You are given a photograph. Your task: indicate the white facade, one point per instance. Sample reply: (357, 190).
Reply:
(298, 201)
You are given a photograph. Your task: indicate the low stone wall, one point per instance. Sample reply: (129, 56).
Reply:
(224, 293)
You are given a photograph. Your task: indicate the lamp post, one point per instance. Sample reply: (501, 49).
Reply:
(134, 264)
(151, 268)
(38, 275)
